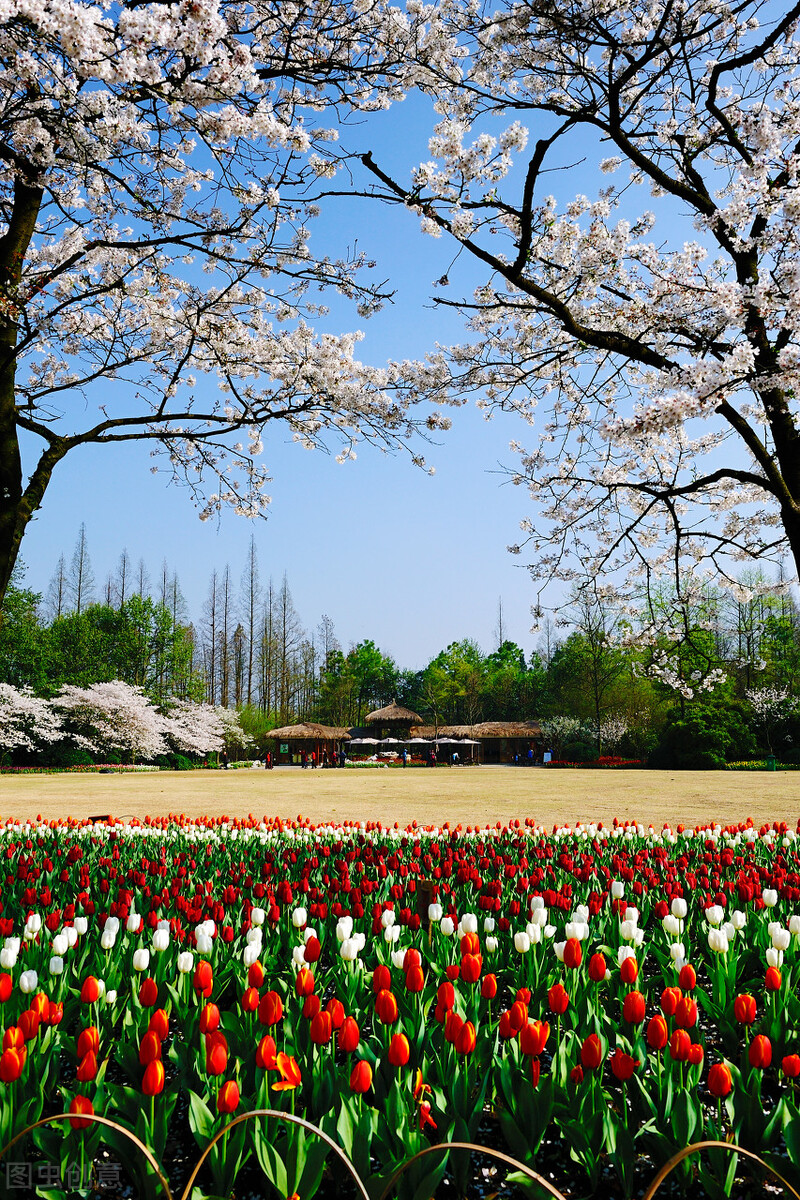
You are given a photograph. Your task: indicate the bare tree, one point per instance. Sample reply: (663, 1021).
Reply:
(250, 606)
(80, 580)
(56, 601)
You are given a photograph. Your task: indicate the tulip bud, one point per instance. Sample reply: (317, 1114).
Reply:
(361, 1077)
(228, 1097)
(719, 1080)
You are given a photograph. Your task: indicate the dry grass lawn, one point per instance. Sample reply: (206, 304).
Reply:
(470, 795)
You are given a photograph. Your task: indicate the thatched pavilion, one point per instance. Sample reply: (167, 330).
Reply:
(394, 719)
(292, 740)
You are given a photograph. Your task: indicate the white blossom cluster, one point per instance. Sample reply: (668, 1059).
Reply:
(112, 717)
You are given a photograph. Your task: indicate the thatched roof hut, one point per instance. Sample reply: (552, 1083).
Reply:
(393, 714)
(501, 741)
(309, 731)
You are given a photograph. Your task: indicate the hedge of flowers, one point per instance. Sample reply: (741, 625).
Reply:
(621, 991)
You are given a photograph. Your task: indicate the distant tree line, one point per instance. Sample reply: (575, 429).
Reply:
(719, 681)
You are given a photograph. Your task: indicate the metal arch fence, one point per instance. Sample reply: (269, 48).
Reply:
(498, 1155)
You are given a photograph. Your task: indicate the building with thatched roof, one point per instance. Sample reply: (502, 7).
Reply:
(309, 737)
(500, 741)
(393, 714)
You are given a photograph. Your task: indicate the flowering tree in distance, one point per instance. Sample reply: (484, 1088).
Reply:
(26, 721)
(155, 161)
(654, 326)
(112, 716)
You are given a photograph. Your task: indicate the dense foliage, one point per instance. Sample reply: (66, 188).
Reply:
(609, 995)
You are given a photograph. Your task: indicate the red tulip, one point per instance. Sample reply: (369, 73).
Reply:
(633, 1008)
(760, 1052)
(6, 984)
(772, 979)
(90, 994)
(216, 1058)
(446, 995)
(88, 1039)
(203, 980)
(87, 1068)
(270, 1009)
(153, 1078)
(466, 1039)
(415, 980)
(150, 1048)
(573, 954)
(452, 1026)
(687, 977)
(40, 1004)
(228, 1097)
(533, 1037)
(381, 979)
(657, 1033)
(11, 1064)
(411, 958)
(312, 950)
(399, 1050)
(719, 1080)
(695, 1054)
(304, 983)
(159, 1024)
(13, 1038)
(321, 1029)
(591, 1052)
(28, 1022)
(505, 1028)
(622, 1064)
(686, 1013)
(265, 1053)
(425, 1117)
(670, 999)
(471, 966)
(289, 1071)
(629, 971)
(679, 1045)
(250, 1000)
(349, 1035)
(558, 999)
(255, 974)
(81, 1106)
(597, 968)
(489, 987)
(148, 992)
(55, 1013)
(470, 944)
(790, 1066)
(361, 1077)
(386, 1007)
(209, 1018)
(744, 1010)
(336, 1009)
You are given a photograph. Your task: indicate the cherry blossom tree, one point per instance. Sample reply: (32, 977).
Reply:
(27, 722)
(201, 728)
(155, 166)
(771, 707)
(112, 717)
(650, 327)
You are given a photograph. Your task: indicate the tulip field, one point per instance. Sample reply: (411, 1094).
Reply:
(588, 1001)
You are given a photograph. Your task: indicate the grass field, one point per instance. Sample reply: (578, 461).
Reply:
(470, 795)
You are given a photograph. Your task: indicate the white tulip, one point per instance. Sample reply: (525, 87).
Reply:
(435, 912)
(469, 923)
(718, 941)
(534, 932)
(557, 946)
(204, 943)
(112, 924)
(8, 958)
(770, 897)
(581, 913)
(539, 917)
(738, 919)
(794, 925)
(631, 914)
(627, 931)
(387, 918)
(141, 959)
(491, 944)
(160, 940)
(672, 925)
(56, 966)
(254, 937)
(549, 931)
(185, 962)
(536, 902)
(111, 997)
(677, 950)
(391, 934)
(781, 938)
(33, 925)
(71, 934)
(349, 950)
(714, 914)
(28, 982)
(299, 955)
(522, 943)
(488, 924)
(679, 907)
(623, 953)
(774, 957)
(257, 916)
(308, 933)
(107, 939)
(299, 918)
(60, 944)
(447, 927)
(251, 954)
(101, 988)
(133, 923)
(617, 889)
(81, 924)
(729, 929)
